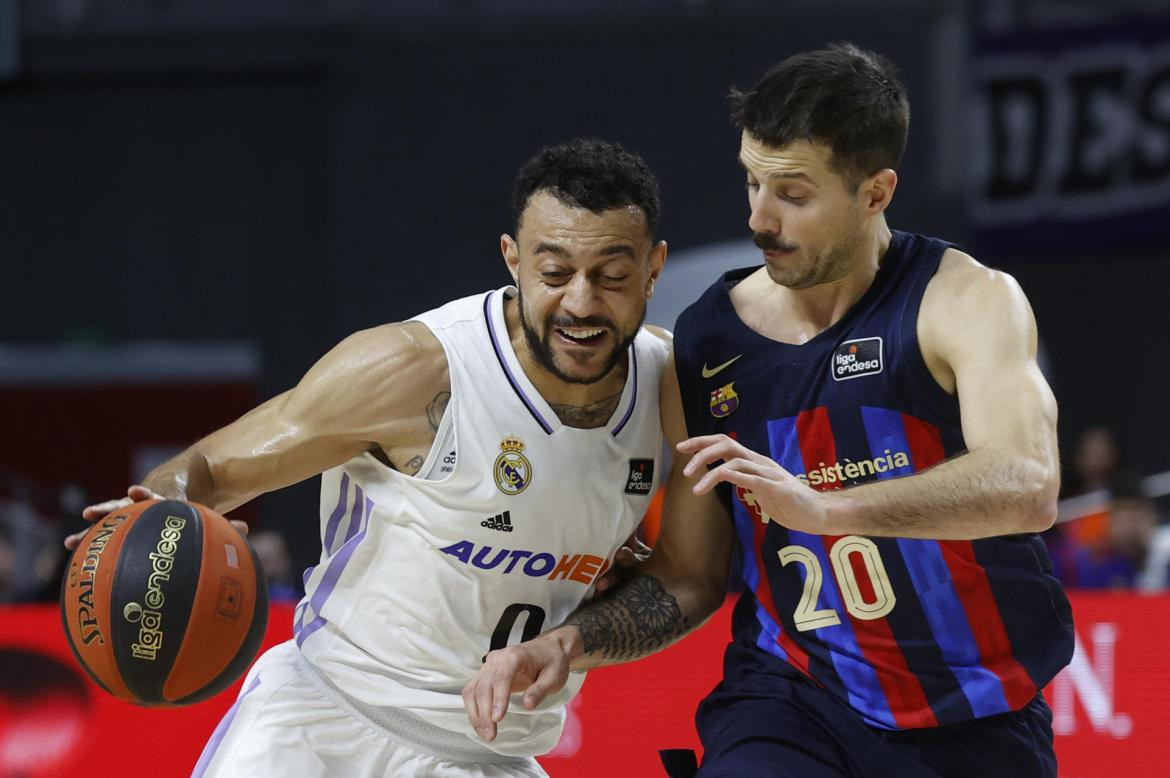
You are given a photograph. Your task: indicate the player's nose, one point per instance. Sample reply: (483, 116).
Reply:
(579, 298)
(763, 218)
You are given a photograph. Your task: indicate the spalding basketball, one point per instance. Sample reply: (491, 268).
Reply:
(164, 603)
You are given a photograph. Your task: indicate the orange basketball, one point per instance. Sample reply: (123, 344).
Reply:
(164, 603)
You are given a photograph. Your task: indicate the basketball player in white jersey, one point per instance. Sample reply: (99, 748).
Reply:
(482, 464)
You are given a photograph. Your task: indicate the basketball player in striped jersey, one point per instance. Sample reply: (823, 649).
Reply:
(482, 465)
(863, 430)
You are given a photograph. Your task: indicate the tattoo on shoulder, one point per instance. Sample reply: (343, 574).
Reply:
(587, 416)
(638, 619)
(436, 408)
(413, 465)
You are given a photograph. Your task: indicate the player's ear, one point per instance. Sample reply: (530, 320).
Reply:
(511, 254)
(657, 260)
(878, 190)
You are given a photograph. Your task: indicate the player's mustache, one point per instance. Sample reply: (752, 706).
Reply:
(769, 242)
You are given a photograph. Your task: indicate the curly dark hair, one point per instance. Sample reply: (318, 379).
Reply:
(844, 97)
(588, 173)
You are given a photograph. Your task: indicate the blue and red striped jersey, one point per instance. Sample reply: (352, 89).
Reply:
(909, 633)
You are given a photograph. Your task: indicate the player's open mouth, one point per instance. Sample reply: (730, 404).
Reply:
(582, 335)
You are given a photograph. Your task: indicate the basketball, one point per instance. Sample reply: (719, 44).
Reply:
(164, 603)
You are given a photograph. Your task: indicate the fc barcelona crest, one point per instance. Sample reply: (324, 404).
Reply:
(724, 400)
(513, 471)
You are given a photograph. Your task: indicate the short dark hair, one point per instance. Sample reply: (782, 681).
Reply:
(844, 97)
(589, 173)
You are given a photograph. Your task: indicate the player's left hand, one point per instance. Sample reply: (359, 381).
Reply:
(633, 553)
(537, 667)
(778, 494)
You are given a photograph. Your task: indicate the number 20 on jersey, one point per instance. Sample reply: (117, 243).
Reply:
(808, 615)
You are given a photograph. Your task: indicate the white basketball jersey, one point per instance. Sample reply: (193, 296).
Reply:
(501, 536)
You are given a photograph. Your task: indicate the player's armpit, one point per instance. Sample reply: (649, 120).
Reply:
(372, 389)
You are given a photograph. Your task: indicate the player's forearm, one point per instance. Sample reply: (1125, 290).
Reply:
(976, 495)
(642, 616)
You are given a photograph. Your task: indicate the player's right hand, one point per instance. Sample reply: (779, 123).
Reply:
(538, 667)
(136, 493)
(91, 513)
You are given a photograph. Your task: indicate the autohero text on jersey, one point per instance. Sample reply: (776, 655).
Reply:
(582, 568)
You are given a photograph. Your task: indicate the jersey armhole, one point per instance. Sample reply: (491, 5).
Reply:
(682, 368)
(445, 436)
(431, 470)
(930, 391)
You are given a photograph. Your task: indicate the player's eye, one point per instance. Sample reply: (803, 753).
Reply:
(554, 277)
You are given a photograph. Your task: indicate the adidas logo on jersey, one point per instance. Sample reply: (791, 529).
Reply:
(501, 521)
(448, 464)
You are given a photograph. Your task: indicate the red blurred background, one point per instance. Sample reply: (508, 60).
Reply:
(1109, 712)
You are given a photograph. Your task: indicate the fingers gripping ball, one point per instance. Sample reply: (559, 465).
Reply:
(164, 603)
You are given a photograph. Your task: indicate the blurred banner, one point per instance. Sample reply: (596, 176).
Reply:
(1109, 706)
(101, 417)
(1070, 132)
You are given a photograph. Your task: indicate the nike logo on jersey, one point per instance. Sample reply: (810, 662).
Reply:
(711, 372)
(501, 522)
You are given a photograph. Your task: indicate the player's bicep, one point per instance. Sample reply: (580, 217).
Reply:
(352, 398)
(267, 449)
(1004, 400)
(1009, 408)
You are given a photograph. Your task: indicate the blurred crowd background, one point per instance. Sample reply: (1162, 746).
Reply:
(198, 199)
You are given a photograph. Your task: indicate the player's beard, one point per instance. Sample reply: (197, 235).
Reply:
(825, 266)
(542, 351)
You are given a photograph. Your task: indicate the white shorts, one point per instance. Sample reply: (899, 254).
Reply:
(288, 722)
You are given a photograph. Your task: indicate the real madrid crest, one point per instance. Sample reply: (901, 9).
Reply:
(513, 471)
(724, 400)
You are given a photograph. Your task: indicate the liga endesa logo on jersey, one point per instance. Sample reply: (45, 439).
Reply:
(855, 358)
(641, 476)
(582, 568)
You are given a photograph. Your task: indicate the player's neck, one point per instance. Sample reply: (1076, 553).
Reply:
(825, 304)
(568, 400)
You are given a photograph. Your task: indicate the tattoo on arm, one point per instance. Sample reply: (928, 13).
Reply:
(435, 409)
(638, 619)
